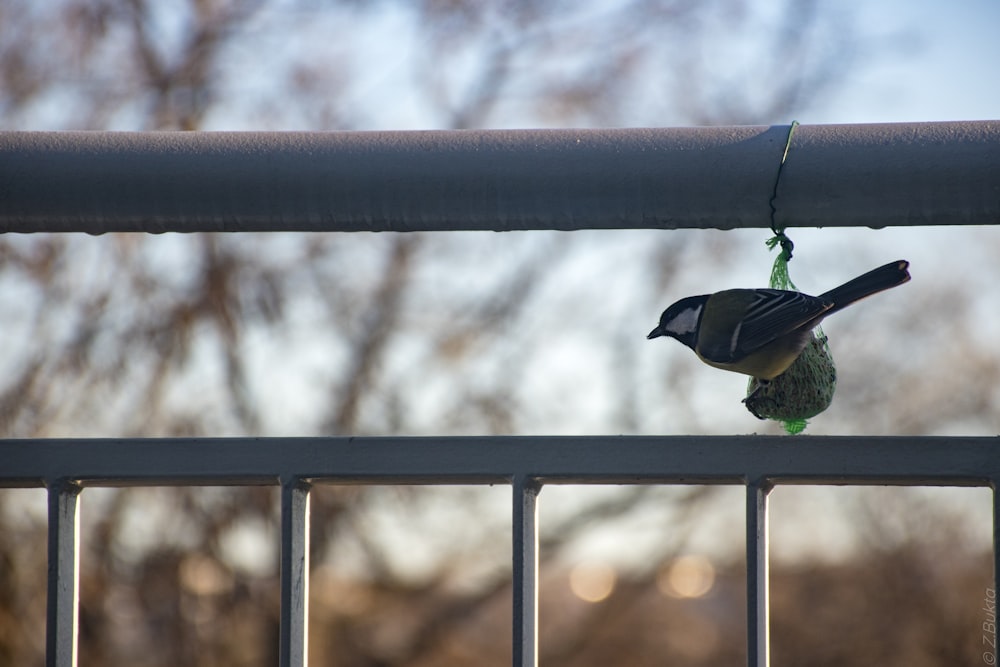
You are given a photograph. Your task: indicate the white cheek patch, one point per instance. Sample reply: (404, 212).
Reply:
(685, 322)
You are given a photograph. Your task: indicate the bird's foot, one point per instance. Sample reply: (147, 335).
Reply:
(749, 400)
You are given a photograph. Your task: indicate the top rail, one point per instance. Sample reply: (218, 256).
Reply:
(836, 175)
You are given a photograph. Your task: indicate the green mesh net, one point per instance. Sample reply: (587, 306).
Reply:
(806, 388)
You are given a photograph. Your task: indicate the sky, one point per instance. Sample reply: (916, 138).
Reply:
(946, 68)
(922, 61)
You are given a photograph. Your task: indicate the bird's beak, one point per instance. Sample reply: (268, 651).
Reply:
(655, 333)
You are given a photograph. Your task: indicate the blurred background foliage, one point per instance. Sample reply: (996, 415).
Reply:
(472, 333)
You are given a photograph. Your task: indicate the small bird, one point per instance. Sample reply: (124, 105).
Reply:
(760, 332)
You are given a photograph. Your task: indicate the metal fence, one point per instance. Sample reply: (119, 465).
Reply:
(906, 174)
(527, 464)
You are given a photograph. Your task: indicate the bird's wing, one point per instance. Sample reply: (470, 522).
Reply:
(774, 313)
(762, 316)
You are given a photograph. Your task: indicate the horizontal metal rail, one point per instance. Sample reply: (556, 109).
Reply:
(836, 175)
(961, 461)
(66, 466)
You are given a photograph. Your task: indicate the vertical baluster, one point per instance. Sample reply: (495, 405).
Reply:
(758, 649)
(294, 641)
(63, 574)
(525, 572)
(990, 601)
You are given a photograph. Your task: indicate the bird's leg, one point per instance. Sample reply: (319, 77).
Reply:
(748, 401)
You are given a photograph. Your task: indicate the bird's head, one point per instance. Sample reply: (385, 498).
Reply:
(681, 320)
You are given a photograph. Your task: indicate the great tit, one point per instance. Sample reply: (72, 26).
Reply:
(760, 332)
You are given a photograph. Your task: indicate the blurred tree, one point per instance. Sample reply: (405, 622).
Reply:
(306, 334)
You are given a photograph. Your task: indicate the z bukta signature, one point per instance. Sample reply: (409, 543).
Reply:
(990, 627)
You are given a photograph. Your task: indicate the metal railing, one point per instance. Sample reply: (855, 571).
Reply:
(835, 176)
(527, 464)
(861, 175)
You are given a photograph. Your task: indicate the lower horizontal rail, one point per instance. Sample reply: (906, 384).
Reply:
(962, 461)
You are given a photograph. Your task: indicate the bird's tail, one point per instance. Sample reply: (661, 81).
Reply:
(876, 280)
